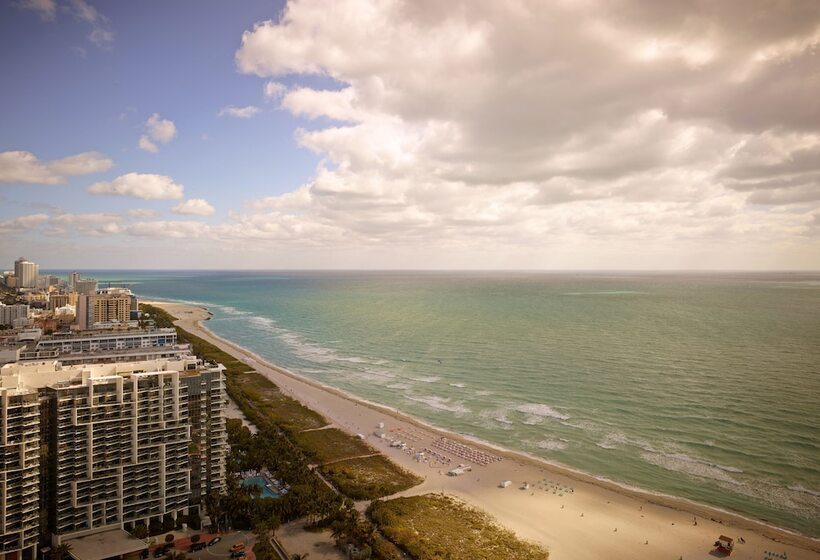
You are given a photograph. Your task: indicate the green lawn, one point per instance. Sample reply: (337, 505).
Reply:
(435, 526)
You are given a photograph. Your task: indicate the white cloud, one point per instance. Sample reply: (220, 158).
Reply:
(100, 34)
(540, 126)
(92, 224)
(86, 12)
(146, 145)
(194, 206)
(169, 229)
(47, 9)
(274, 90)
(239, 112)
(25, 167)
(101, 37)
(22, 223)
(158, 131)
(143, 213)
(140, 185)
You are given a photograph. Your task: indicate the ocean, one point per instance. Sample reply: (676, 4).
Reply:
(703, 386)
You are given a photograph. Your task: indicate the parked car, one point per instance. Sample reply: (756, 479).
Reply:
(214, 540)
(197, 546)
(161, 551)
(238, 554)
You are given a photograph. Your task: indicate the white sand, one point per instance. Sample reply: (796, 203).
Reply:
(597, 520)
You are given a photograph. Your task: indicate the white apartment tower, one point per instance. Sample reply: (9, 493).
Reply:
(26, 273)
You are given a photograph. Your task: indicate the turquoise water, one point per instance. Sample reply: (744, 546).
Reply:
(260, 482)
(701, 386)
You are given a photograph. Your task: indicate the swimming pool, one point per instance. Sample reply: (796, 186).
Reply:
(260, 482)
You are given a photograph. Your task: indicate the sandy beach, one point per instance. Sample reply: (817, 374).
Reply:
(576, 516)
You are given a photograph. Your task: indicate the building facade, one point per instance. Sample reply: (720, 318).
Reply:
(26, 273)
(103, 308)
(19, 471)
(10, 313)
(77, 343)
(123, 443)
(87, 286)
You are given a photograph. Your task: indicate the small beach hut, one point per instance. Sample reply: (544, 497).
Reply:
(505, 484)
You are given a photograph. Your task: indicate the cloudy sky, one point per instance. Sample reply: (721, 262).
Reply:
(583, 134)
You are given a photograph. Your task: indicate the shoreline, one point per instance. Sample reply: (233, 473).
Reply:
(614, 518)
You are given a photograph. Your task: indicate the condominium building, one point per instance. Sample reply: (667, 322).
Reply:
(103, 308)
(125, 443)
(56, 301)
(87, 286)
(73, 278)
(26, 273)
(10, 313)
(19, 470)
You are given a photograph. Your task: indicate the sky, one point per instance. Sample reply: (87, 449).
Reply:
(389, 134)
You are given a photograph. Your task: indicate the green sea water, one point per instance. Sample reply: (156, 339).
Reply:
(700, 386)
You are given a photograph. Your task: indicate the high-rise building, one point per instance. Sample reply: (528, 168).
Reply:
(86, 286)
(26, 273)
(10, 313)
(61, 300)
(103, 308)
(123, 443)
(73, 278)
(19, 471)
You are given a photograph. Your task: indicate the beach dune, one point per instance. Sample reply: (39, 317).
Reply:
(576, 516)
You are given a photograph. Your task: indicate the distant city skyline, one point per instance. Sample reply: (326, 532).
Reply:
(410, 135)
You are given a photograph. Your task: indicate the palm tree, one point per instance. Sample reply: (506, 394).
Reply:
(338, 531)
(176, 555)
(299, 556)
(61, 552)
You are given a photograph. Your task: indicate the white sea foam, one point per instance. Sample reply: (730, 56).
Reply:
(401, 386)
(458, 385)
(429, 379)
(694, 466)
(262, 322)
(230, 310)
(803, 490)
(440, 403)
(355, 360)
(605, 293)
(542, 410)
(551, 444)
(584, 425)
(612, 440)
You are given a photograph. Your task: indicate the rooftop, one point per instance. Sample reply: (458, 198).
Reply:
(104, 545)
